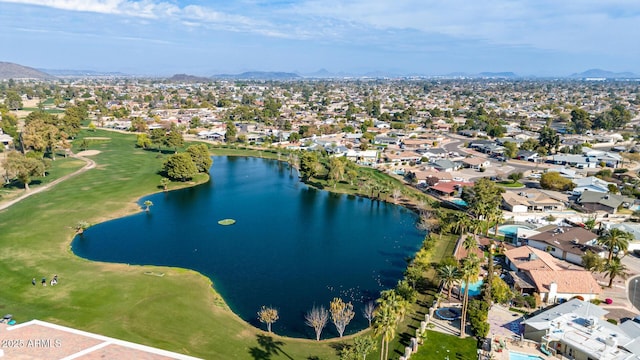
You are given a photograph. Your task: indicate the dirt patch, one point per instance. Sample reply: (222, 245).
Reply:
(88, 152)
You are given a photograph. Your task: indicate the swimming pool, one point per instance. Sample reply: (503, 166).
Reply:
(520, 356)
(459, 202)
(511, 230)
(475, 288)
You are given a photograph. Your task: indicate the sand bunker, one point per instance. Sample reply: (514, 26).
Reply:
(88, 153)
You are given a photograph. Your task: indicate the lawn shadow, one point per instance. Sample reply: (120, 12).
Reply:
(267, 347)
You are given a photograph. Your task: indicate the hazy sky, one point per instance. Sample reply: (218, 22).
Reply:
(541, 37)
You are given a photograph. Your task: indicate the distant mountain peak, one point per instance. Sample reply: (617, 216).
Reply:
(599, 73)
(185, 78)
(15, 71)
(259, 75)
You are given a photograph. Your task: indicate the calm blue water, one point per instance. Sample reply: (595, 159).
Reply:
(459, 202)
(475, 288)
(520, 356)
(510, 229)
(291, 247)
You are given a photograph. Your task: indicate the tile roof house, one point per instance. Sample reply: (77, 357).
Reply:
(568, 283)
(535, 271)
(530, 200)
(566, 243)
(529, 258)
(475, 163)
(449, 188)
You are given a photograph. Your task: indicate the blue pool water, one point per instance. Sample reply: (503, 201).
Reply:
(474, 289)
(459, 202)
(521, 356)
(511, 229)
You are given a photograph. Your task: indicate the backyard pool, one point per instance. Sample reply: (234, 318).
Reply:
(520, 356)
(511, 230)
(459, 202)
(475, 288)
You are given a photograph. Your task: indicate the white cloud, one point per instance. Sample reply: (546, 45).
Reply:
(583, 26)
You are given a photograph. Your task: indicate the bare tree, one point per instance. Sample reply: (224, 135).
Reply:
(268, 316)
(396, 194)
(369, 311)
(341, 314)
(317, 318)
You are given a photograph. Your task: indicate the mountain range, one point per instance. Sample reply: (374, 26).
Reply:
(15, 71)
(604, 74)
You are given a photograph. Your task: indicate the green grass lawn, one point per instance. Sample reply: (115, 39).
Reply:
(59, 168)
(439, 346)
(50, 111)
(179, 311)
(510, 184)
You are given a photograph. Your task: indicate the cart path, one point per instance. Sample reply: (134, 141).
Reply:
(90, 164)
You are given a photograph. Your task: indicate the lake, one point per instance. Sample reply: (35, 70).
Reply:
(292, 246)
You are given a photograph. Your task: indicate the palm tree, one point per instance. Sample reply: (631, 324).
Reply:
(385, 325)
(469, 243)
(147, 205)
(460, 223)
(615, 268)
(494, 215)
(470, 269)
(615, 240)
(164, 182)
(397, 303)
(449, 275)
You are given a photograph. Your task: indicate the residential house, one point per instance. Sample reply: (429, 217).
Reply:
(578, 161)
(566, 243)
(577, 330)
(531, 200)
(386, 140)
(591, 183)
(449, 188)
(423, 176)
(401, 156)
(5, 140)
(433, 153)
(535, 271)
(415, 144)
(445, 165)
(527, 155)
(593, 201)
(366, 157)
(475, 163)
